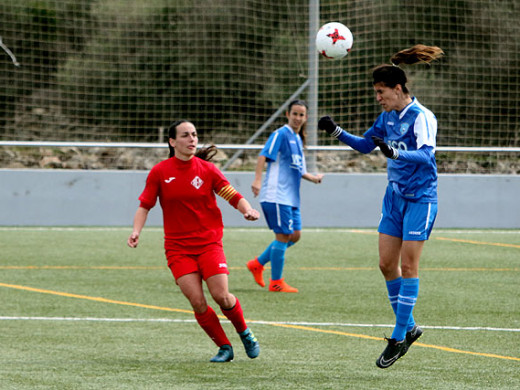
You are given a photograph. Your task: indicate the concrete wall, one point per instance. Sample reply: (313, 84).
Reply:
(109, 198)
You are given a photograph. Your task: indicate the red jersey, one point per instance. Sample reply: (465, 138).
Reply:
(186, 192)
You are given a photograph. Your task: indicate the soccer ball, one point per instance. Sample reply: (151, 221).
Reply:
(334, 40)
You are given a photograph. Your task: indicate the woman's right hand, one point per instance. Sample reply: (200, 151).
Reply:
(133, 240)
(255, 187)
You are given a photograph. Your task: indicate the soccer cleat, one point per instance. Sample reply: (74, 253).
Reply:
(257, 270)
(281, 286)
(250, 343)
(392, 352)
(224, 355)
(411, 336)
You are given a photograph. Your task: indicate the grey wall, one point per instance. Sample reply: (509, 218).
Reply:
(109, 198)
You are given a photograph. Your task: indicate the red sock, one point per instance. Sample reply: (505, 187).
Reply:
(236, 316)
(211, 325)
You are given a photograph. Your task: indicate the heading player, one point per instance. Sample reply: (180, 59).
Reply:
(406, 134)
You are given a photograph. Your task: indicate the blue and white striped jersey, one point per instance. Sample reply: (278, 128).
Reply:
(285, 167)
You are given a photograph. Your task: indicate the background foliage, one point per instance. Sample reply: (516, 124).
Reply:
(118, 70)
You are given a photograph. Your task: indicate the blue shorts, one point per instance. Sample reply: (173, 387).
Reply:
(282, 219)
(411, 221)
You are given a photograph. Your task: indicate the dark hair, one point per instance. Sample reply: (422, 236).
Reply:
(206, 153)
(303, 130)
(392, 75)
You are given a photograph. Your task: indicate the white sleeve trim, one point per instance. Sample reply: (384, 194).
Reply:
(425, 129)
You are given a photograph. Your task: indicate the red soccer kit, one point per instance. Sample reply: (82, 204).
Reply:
(186, 191)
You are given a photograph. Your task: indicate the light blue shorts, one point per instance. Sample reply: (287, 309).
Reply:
(282, 219)
(411, 221)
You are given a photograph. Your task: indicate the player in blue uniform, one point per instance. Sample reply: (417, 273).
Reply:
(405, 133)
(280, 193)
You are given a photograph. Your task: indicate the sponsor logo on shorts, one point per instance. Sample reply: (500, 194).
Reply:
(222, 265)
(412, 233)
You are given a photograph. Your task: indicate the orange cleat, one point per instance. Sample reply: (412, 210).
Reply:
(257, 270)
(281, 286)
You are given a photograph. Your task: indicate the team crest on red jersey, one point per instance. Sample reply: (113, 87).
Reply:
(197, 182)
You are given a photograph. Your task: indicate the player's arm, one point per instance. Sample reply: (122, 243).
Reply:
(148, 199)
(139, 221)
(257, 182)
(424, 155)
(360, 144)
(425, 142)
(236, 200)
(316, 179)
(247, 211)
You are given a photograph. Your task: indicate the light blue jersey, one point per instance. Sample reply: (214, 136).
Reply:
(285, 167)
(409, 130)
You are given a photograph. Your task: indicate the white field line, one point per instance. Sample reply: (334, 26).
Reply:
(327, 324)
(247, 230)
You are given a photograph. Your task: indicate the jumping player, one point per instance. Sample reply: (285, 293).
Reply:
(186, 186)
(280, 193)
(405, 133)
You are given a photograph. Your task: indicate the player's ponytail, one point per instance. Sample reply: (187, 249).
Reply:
(206, 153)
(392, 75)
(417, 54)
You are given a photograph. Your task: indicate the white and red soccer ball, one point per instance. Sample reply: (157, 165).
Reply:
(334, 40)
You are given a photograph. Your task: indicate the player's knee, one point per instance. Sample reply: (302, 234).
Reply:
(225, 300)
(408, 270)
(295, 237)
(387, 269)
(199, 305)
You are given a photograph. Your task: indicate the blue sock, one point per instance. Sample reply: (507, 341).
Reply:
(265, 257)
(393, 287)
(277, 259)
(405, 304)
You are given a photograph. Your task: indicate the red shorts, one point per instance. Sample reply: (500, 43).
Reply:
(208, 263)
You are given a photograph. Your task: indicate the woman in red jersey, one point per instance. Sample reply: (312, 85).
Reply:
(186, 184)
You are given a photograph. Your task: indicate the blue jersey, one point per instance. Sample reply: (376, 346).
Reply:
(409, 130)
(285, 167)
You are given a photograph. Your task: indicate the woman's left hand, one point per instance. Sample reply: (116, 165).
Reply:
(318, 178)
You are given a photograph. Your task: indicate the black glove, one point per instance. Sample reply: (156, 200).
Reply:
(387, 150)
(327, 123)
